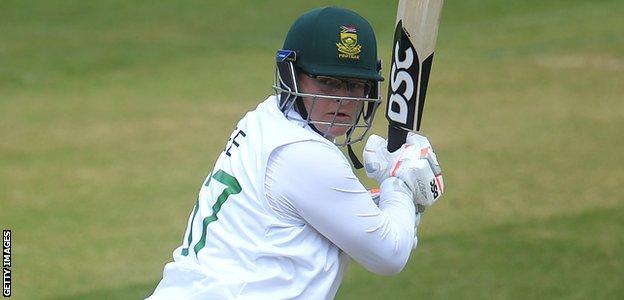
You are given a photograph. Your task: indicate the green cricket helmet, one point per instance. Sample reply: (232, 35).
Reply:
(330, 42)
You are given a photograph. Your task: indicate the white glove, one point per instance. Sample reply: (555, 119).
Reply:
(377, 159)
(416, 171)
(415, 163)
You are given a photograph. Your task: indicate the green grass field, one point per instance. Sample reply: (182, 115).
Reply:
(112, 113)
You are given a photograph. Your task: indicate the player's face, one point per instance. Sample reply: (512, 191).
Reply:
(342, 113)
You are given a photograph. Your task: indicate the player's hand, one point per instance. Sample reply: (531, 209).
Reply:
(416, 164)
(377, 159)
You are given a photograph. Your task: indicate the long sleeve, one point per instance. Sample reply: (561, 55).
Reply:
(312, 183)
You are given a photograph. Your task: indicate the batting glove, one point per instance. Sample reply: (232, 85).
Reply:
(377, 159)
(415, 163)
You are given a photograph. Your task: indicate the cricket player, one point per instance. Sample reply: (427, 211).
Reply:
(282, 212)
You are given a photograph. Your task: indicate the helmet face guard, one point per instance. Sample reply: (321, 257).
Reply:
(286, 86)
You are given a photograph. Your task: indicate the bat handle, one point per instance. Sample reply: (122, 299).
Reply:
(396, 138)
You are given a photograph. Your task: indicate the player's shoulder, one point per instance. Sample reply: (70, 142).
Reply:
(311, 155)
(312, 148)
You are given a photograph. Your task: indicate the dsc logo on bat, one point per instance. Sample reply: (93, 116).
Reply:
(401, 76)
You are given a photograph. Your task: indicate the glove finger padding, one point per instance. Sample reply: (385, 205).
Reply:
(377, 158)
(419, 173)
(426, 150)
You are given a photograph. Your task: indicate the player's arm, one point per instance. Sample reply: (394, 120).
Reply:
(312, 182)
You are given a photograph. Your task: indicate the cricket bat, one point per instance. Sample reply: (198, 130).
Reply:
(415, 36)
(412, 55)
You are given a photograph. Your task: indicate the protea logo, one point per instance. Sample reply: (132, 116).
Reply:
(348, 46)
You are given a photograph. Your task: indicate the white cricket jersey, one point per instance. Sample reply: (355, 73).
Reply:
(279, 214)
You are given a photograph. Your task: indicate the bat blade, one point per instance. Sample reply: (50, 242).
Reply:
(415, 36)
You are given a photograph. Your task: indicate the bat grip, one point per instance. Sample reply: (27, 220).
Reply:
(396, 138)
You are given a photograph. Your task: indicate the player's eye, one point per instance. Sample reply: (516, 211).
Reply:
(359, 87)
(330, 83)
(335, 85)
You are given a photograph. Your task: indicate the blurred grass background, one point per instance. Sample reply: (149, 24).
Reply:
(112, 113)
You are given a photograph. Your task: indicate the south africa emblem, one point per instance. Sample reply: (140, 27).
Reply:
(348, 46)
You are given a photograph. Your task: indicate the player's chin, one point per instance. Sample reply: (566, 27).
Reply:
(334, 126)
(337, 130)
